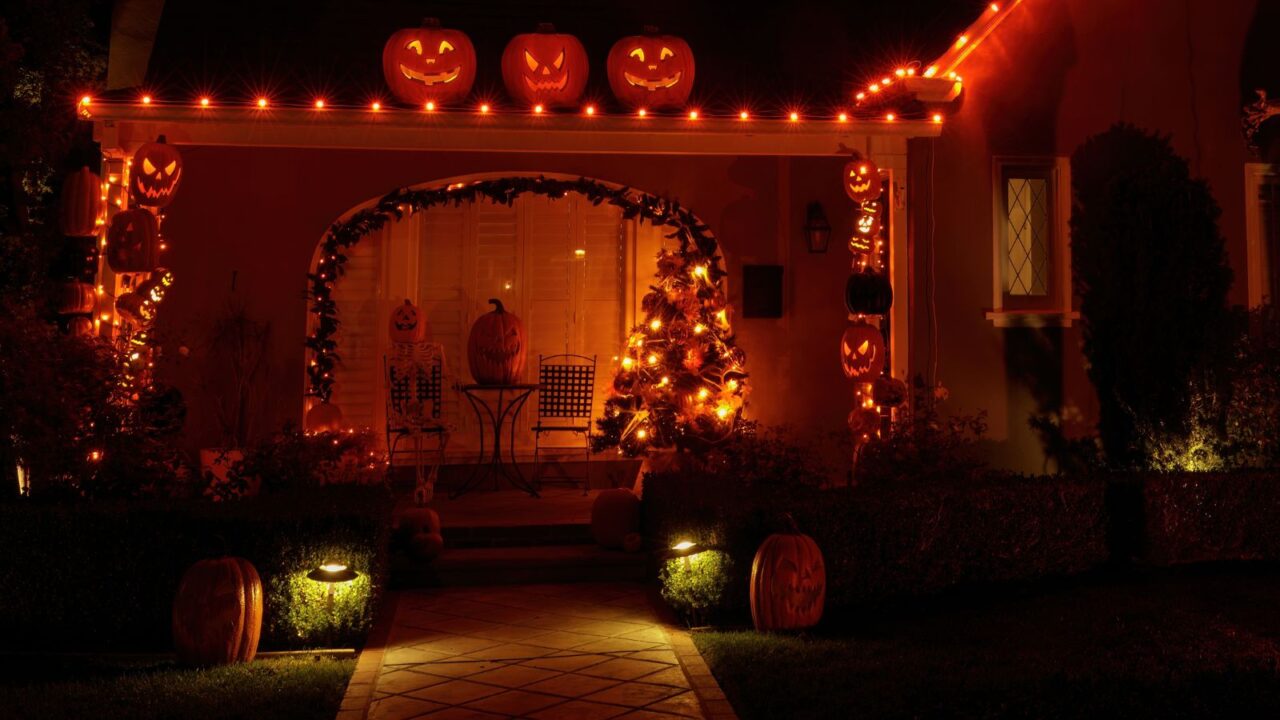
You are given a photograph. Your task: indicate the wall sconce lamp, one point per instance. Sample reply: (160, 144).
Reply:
(817, 229)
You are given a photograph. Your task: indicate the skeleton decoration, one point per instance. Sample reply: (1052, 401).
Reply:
(414, 380)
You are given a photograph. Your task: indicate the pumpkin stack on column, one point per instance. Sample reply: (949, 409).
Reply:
(79, 217)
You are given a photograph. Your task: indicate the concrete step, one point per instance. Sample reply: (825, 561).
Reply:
(496, 536)
(519, 565)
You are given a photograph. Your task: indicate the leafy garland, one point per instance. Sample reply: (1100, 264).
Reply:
(681, 380)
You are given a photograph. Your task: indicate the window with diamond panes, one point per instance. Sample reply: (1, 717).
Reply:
(1028, 243)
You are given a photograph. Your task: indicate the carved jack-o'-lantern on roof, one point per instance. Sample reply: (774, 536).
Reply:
(651, 71)
(429, 64)
(155, 174)
(545, 68)
(861, 179)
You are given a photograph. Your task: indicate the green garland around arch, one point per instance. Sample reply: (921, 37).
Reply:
(680, 380)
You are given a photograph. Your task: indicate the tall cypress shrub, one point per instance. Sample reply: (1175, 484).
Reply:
(1150, 271)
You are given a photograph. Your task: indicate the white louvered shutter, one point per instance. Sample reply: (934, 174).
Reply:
(357, 376)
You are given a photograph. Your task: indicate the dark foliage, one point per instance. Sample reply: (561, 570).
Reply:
(1150, 269)
(1210, 517)
(295, 460)
(103, 575)
(923, 444)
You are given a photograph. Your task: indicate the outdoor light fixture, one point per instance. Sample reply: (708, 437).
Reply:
(685, 549)
(817, 229)
(332, 572)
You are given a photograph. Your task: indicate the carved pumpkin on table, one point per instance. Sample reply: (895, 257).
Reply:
(133, 241)
(80, 203)
(862, 352)
(868, 293)
(155, 174)
(406, 324)
(651, 71)
(861, 179)
(788, 582)
(217, 613)
(545, 68)
(496, 347)
(429, 64)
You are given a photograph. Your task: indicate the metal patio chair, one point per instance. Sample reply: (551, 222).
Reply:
(566, 391)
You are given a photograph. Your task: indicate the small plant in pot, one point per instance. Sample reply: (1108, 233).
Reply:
(235, 376)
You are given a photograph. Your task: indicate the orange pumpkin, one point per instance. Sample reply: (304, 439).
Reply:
(615, 514)
(80, 326)
(133, 242)
(429, 64)
(323, 417)
(217, 613)
(80, 204)
(496, 347)
(862, 352)
(861, 179)
(155, 173)
(406, 325)
(545, 68)
(651, 71)
(866, 227)
(75, 298)
(788, 582)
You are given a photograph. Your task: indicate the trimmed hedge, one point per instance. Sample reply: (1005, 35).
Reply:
(897, 541)
(1207, 517)
(103, 575)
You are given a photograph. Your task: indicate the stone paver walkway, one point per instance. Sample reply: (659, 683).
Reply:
(587, 650)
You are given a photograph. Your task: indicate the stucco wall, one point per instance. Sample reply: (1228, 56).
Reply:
(1052, 75)
(258, 213)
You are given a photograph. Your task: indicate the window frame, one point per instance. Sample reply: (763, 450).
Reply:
(1054, 307)
(1261, 286)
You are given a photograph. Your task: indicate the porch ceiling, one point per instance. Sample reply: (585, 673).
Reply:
(126, 125)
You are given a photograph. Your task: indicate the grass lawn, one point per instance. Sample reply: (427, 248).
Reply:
(1199, 643)
(281, 689)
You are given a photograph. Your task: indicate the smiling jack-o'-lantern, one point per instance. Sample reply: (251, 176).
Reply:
(429, 64)
(155, 174)
(866, 227)
(862, 352)
(788, 582)
(545, 68)
(861, 179)
(496, 347)
(133, 241)
(406, 325)
(651, 71)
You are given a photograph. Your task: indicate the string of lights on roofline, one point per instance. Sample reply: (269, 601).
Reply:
(322, 105)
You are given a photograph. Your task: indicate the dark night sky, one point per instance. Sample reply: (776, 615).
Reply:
(768, 56)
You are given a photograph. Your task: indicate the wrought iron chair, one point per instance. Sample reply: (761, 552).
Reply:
(415, 390)
(566, 391)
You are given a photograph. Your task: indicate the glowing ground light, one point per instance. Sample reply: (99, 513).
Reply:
(682, 545)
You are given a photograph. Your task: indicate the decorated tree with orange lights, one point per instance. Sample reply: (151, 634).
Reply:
(681, 380)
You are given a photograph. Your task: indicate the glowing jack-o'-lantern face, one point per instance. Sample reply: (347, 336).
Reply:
(651, 71)
(155, 173)
(788, 582)
(861, 180)
(866, 228)
(545, 68)
(862, 352)
(429, 64)
(496, 348)
(406, 324)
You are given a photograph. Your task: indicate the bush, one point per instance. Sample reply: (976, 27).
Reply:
(891, 541)
(295, 460)
(695, 586)
(103, 575)
(1205, 517)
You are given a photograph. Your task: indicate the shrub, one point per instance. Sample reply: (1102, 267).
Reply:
(695, 586)
(294, 460)
(923, 444)
(1203, 517)
(103, 575)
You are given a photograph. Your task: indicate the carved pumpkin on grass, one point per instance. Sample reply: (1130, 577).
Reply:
(80, 203)
(651, 71)
(217, 613)
(788, 582)
(861, 179)
(429, 64)
(155, 173)
(406, 324)
(496, 348)
(545, 68)
(862, 352)
(133, 241)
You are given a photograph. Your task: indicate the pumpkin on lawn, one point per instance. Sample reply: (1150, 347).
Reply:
(862, 352)
(155, 173)
(133, 241)
(80, 203)
(406, 325)
(217, 613)
(429, 64)
(651, 71)
(615, 514)
(496, 347)
(545, 68)
(788, 582)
